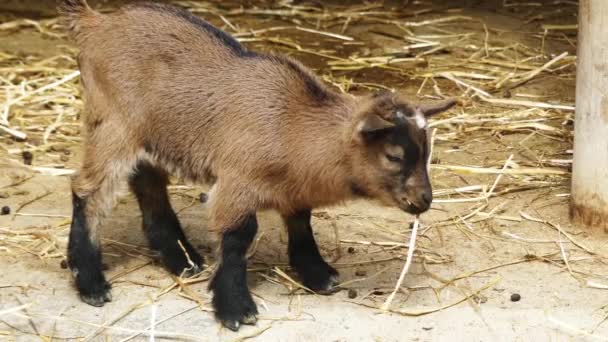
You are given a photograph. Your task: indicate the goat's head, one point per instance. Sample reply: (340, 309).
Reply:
(390, 151)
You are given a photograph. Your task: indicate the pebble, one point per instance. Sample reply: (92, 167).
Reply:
(351, 250)
(515, 297)
(5, 210)
(63, 264)
(360, 273)
(27, 157)
(203, 197)
(352, 293)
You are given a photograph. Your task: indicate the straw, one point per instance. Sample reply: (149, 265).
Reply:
(406, 267)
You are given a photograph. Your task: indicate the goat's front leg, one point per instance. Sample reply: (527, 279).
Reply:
(232, 301)
(304, 256)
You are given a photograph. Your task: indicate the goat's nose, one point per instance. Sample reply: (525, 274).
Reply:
(427, 198)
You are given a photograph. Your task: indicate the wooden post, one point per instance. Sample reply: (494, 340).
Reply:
(589, 195)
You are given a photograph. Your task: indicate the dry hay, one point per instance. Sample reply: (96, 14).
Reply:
(445, 54)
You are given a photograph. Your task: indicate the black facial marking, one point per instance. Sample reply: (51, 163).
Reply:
(412, 153)
(231, 298)
(160, 223)
(304, 255)
(84, 258)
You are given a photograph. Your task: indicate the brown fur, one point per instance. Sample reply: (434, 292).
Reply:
(159, 86)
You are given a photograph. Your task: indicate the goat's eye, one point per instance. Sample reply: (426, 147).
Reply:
(393, 159)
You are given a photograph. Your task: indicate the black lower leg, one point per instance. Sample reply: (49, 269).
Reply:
(231, 298)
(84, 258)
(304, 255)
(160, 222)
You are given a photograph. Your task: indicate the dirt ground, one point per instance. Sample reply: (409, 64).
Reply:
(474, 255)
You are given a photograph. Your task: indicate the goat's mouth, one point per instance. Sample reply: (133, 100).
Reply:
(409, 207)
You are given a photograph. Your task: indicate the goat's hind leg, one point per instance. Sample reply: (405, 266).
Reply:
(161, 226)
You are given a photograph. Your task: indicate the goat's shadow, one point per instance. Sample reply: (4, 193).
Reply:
(124, 242)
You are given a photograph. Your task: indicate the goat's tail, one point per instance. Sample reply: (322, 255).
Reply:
(73, 11)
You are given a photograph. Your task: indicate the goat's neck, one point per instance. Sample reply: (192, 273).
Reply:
(327, 152)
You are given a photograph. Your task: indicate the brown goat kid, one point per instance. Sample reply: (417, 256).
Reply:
(167, 92)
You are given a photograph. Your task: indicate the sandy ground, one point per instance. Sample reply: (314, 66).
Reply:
(467, 268)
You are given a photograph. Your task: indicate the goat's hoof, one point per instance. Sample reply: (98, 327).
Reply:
(320, 278)
(250, 319)
(231, 324)
(236, 312)
(192, 271)
(329, 287)
(98, 298)
(93, 289)
(234, 325)
(178, 264)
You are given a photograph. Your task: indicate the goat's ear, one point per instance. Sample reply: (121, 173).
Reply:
(373, 124)
(431, 109)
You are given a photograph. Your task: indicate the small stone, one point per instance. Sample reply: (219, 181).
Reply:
(203, 197)
(481, 299)
(352, 293)
(515, 297)
(360, 273)
(63, 264)
(27, 157)
(4, 194)
(5, 210)
(507, 94)
(64, 158)
(427, 328)
(351, 250)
